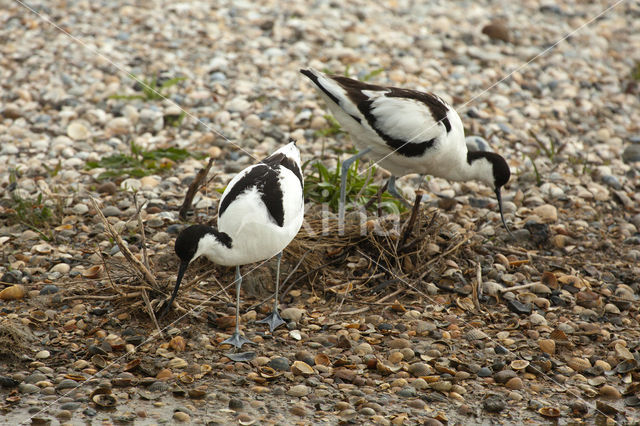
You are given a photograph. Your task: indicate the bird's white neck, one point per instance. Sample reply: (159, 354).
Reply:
(217, 247)
(471, 167)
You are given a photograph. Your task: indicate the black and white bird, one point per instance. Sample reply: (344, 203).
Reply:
(260, 213)
(406, 131)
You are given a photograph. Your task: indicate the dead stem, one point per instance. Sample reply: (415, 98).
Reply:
(135, 263)
(193, 189)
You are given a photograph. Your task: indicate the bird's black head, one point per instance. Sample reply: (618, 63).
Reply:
(501, 171)
(186, 248)
(501, 175)
(187, 242)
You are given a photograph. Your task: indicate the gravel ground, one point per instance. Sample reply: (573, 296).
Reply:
(557, 333)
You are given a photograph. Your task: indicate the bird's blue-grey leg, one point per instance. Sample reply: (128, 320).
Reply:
(274, 320)
(343, 186)
(391, 189)
(237, 339)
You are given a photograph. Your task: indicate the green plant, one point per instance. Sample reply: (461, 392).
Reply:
(36, 213)
(372, 74)
(175, 120)
(635, 72)
(152, 90)
(140, 163)
(535, 170)
(333, 129)
(323, 186)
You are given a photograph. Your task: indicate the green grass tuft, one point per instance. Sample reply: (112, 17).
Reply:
(323, 186)
(140, 163)
(152, 90)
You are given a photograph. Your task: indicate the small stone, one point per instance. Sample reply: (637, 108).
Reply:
(298, 410)
(484, 372)
(253, 121)
(399, 344)
(367, 411)
(497, 30)
(407, 392)
(631, 153)
(292, 314)
(80, 209)
(49, 289)
(578, 364)
(111, 211)
(547, 346)
(363, 349)
(235, 404)
(279, 364)
(181, 417)
(547, 213)
(78, 130)
(238, 105)
(514, 383)
(64, 415)
(28, 388)
(536, 319)
(504, 376)
(62, 268)
(609, 392)
(44, 354)
(494, 404)
(298, 391)
(107, 188)
(417, 404)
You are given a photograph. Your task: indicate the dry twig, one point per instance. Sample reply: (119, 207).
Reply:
(193, 189)
(137, 264)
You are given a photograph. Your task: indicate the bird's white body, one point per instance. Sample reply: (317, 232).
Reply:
(259, 214)
(406, 131)
(254, 233)
(372, 113)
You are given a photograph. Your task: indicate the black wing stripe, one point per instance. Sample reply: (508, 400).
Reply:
(438, 109)
(315, 80)
(280, 159)
(265, 180)
(402, 147)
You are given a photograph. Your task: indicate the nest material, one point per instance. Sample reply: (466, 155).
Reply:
(16, 339)
(373, 252)
(359, 263)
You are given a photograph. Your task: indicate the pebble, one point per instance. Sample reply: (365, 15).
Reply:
(547, 213)
(514, 383)
(280, 364)
(631, 153)
(497, 31)
(44, 354)
(292, 314)
(504, 375)
(111, 211)
(181, 417)
(494, 404)
(547, 346)
(298, 391)
(78, 130)
(28, 388)
(610, 392)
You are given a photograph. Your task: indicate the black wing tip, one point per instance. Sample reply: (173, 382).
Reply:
(293, 141)
(307, 72)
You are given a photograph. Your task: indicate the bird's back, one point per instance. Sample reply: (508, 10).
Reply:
(408, 131)
(262, 208)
